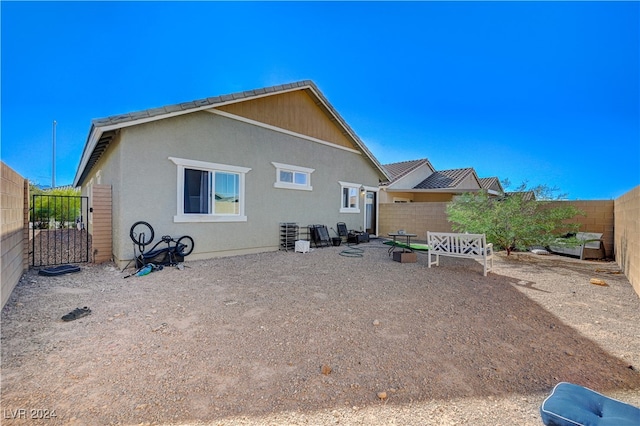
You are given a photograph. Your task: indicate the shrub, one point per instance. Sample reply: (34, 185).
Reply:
(514, 220)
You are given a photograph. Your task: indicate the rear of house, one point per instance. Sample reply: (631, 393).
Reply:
(228, 170)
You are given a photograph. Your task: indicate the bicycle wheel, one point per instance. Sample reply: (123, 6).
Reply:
(184, 246)
(141, 233)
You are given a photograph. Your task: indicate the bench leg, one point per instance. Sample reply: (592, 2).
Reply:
(435, 262)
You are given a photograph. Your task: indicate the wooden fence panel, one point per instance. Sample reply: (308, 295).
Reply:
(102, 239)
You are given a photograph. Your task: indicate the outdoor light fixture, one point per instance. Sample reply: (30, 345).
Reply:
(362, 189)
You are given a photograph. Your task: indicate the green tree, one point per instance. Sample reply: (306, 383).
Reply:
(515, 220)
(63, 208)
(39, 210)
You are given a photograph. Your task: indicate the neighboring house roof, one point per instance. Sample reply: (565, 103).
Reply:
(403, 168)
(454, 180)
(491, 184)
(526, 195)
(447, 179)
(103, 130)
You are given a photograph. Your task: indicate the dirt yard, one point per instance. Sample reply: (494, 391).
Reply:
(318, 338)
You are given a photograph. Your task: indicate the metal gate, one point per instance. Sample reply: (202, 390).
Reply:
(58, 230)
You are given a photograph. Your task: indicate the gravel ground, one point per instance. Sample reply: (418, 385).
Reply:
(59, 246)
(318, 338)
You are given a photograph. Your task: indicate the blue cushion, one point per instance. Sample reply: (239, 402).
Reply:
(573, 405)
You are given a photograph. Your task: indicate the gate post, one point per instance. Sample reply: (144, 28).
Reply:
(102, 240)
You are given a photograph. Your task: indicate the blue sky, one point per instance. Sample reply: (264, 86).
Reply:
(544, 92)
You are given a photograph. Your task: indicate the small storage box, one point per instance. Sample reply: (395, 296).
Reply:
(405, 256)
(302, 246)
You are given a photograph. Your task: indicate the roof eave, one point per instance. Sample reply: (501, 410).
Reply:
(89, 146)
(435, 190)
(155, 114)
(329, 108)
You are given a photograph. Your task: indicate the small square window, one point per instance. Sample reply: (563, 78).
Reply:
(293, 177)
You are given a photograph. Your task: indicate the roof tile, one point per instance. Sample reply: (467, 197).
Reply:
(201, 102)
(119, 118)
(156, 111)
(138, 115)
(444, 179)
(402, 168)
(98, 122)
(172, 108)
(187, 105)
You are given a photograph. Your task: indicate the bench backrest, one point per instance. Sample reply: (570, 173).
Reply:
(469, 244)
(590, 236)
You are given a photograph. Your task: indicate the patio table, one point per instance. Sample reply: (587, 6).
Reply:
(395, 237)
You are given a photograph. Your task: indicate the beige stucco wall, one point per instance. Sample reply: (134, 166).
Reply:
(108, 170)
(627, 235)
(144, 182)
(14, 193)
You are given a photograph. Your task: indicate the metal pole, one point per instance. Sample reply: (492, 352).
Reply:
(53, 168)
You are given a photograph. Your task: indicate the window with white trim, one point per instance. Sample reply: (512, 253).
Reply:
(350, 197)
(209, 192)
(293, 177)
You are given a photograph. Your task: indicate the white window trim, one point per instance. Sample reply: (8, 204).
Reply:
(183, 163)
(357, 187)
(289, 168)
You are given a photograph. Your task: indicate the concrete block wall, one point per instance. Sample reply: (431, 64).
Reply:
(627, 235)
(415, 218)
(14, 206)
(418, 218)
(598, 218)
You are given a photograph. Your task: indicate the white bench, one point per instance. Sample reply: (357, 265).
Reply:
(472, 246)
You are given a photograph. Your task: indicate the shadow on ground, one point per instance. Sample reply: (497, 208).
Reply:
(249, 335)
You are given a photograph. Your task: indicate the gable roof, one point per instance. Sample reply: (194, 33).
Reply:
(526, 195)
(491, 184)
(398, 170)
(103, 130)
(447, 179)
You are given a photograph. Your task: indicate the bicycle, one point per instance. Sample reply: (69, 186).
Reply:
(142, 234)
